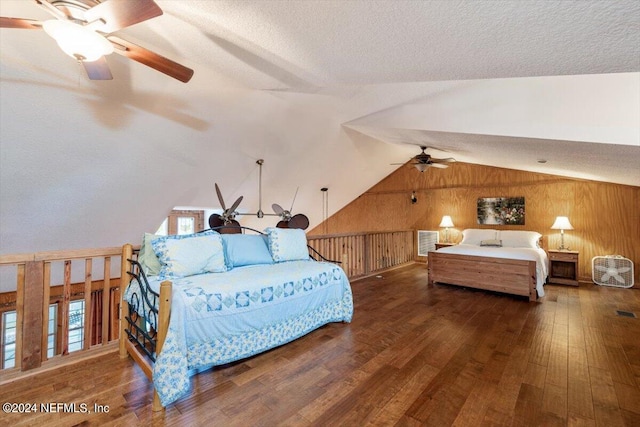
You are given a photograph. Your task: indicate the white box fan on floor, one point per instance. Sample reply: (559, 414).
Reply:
(612, 270)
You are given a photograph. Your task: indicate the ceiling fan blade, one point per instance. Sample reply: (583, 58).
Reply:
(235, 205)
(220, 197)
(282, 224)
(215, 220)
(151, 59)
(277, 208)
(114, 15)
(299, 221)
(439, 165)
(98, 70)
(447, 160)
(52, 9)
(25, 24)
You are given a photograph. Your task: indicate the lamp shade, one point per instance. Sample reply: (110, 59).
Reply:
(446, 221)
(562, 223)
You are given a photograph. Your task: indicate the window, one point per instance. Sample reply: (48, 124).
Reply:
(76, 325)
(53, 331)
(186, 225)
(8, 325)
(9, 320)
(182, 222)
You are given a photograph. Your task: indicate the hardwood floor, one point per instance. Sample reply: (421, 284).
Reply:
(413, 355)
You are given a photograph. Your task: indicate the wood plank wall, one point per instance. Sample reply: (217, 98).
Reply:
(606, 217)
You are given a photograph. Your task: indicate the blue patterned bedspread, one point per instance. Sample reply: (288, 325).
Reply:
(218, 318)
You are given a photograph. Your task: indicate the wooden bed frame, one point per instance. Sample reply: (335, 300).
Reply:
(136, 340)
(511, 276)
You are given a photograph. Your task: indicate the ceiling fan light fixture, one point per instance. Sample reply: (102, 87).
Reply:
(77, 41)
(422, 166)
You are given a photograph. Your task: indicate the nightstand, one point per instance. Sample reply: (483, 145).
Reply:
(443, 245)
(563, 267)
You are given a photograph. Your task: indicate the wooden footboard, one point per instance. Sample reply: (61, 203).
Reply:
(516, 277)
(138, 338)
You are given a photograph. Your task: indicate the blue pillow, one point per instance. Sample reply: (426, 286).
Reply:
(287, 244)
(186, 255)
(246, 249)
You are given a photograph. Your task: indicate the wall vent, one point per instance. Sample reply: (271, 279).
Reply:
(427, 241)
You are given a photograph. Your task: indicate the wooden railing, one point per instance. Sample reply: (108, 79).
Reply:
(46, 278)
(368, 252)
(63, 277)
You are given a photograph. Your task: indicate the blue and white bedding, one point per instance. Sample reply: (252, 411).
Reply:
(217, 318)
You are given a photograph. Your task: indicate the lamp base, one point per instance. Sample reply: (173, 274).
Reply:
(562, 247)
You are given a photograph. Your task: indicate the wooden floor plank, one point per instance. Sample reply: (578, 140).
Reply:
(414, 355)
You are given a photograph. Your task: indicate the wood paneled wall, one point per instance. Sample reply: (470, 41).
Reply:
(606, 217)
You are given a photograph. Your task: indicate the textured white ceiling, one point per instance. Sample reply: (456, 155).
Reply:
(327, 92)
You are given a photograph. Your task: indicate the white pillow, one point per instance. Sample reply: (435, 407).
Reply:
(147, 257)
(287, 244)
(474, 236)
(520, 239)
(189, 254)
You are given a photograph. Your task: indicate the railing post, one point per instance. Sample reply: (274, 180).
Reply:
(32, 316)
(164, 312)
(127, 253)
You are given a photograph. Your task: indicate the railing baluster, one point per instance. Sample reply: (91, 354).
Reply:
(19, 315)
(88, 270)
(46, 296)
(66, 299)
(106, 292)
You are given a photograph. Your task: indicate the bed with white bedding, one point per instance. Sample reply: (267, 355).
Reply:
(249, 301)
(509, 261)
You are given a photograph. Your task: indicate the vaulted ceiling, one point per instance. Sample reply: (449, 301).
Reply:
(328, 93)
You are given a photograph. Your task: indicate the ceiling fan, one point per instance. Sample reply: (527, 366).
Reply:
(287, 220)
(228, 216)
(424, 161)
(83, 30)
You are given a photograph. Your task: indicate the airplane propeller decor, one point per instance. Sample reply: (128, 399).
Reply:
(228, 216)
(84, 30)
(424, 161)
(287, 220)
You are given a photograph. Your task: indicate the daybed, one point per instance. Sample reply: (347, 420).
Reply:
(509, 261)
(208, 299)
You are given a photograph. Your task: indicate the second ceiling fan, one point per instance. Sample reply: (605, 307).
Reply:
(424, 161)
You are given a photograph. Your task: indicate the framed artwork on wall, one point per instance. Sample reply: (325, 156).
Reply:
(501, 210)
